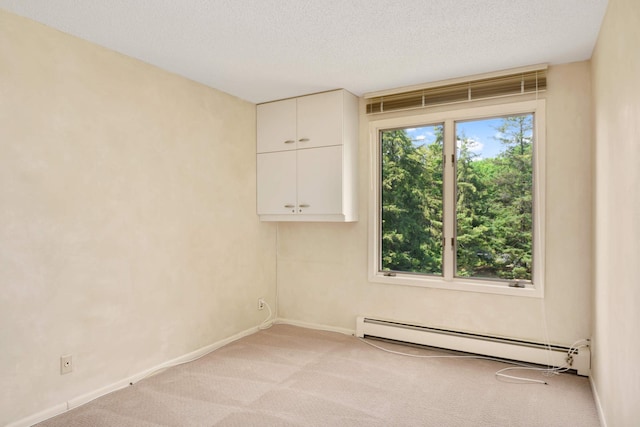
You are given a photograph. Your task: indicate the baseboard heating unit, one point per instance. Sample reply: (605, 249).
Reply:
(503, 348)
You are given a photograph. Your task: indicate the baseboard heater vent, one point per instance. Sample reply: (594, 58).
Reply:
(504, 348)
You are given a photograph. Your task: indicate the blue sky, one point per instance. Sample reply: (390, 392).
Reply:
(480, 131)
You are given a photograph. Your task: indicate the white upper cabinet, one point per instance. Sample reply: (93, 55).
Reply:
(276, 122)
(277, 193)
(320, 120)
(307, 151)
(320, 181)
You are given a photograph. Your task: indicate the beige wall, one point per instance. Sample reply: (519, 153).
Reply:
(616, 88)
(322, 268)
(128, 233)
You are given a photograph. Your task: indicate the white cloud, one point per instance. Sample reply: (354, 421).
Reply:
(473, 145)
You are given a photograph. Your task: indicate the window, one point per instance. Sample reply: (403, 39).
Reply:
(457, 199)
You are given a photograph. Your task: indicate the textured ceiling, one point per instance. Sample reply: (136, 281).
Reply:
(261, 50)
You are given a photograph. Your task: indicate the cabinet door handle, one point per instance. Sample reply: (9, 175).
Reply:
(289, 206)
(304, 140)
(289, 141)
(304, 205)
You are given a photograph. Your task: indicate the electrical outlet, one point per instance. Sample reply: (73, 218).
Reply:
(66, 364)
(569, 360)
(260, 304)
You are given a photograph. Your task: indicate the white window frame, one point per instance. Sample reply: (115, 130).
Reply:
(448, 280)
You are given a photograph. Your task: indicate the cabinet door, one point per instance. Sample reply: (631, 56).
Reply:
(276, 126)
(276, 184)
(320, 119)
(320, 180)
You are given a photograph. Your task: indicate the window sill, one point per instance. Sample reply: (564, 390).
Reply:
(458, 284)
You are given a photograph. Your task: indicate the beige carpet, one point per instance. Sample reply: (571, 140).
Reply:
(290, 376)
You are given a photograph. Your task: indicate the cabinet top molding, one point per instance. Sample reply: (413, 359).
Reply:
(308, 94)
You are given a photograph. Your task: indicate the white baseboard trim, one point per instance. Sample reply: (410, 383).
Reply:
(317, 326)
(92, 395)
(596, 397)
(40, 416)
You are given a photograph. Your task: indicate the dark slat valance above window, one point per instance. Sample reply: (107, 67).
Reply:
(481, 88)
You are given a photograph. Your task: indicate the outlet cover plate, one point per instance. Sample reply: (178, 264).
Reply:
(66, 364)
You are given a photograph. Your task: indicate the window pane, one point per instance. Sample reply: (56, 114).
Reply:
(411, 200)
(494, 194)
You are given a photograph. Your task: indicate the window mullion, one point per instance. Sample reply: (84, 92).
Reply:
(448, 258)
